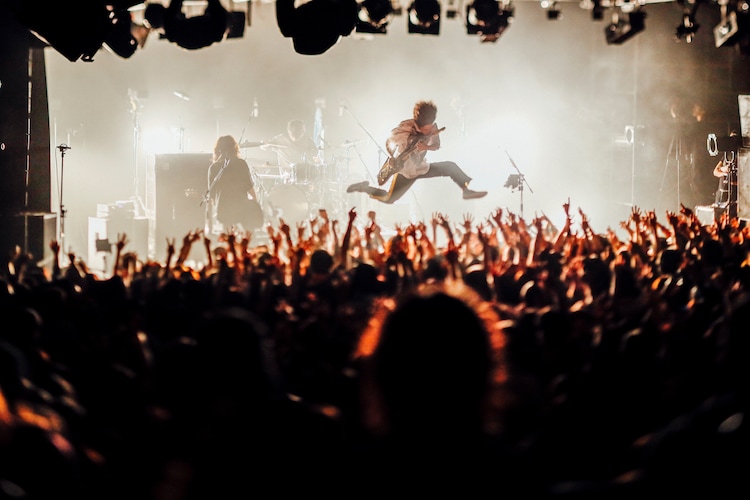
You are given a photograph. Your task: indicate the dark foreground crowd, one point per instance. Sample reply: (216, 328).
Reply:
(486, 358)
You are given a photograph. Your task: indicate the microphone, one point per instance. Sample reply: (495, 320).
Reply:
(342, 106)
(255, 107)
(63, 147)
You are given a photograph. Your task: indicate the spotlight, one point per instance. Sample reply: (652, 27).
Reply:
(715, 144)
(550, 6)
(595, 6)
(488, 19)
(451, 9)
(688, 28)
(624, 26)
(317, 25)
(725, 33)
(374, 16)
(597, 11)
(125, 36)
(58, 25)
(424, 17)
(193, 32)
(236, 24)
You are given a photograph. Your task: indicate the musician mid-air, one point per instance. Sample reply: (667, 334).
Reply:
(407, 147)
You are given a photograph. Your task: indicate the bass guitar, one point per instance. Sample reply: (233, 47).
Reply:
(394, 164)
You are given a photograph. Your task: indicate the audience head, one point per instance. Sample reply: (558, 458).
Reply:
(430, 360)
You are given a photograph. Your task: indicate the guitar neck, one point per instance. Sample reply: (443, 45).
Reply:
(419, 138)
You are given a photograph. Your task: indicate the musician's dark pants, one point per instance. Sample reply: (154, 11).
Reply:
(400, 184)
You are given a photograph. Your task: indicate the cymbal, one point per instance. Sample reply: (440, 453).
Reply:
(346, 144)
(250, 144)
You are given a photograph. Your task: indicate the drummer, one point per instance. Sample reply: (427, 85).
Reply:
(295, 147)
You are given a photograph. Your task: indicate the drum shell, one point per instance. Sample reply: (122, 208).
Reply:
(308, 173)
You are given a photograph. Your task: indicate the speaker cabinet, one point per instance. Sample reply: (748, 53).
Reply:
(103, 235)
(32, 232)
(180, 183)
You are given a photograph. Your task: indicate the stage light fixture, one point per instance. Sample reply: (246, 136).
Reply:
(236, 24)
(731, 142)
(423, 17)
(597, 11)
(688, 28)
(193, 32)
(317, 25)
(126, 36)
(624, 26)
(374, 16)
(452, 8)
(595, 6)
(58, 24)
(488, 19)
(551, 9)
(725, 33)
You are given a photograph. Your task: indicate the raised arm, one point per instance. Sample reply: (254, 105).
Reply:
(347, 236)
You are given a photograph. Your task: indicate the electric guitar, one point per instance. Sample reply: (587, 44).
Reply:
(394, 164)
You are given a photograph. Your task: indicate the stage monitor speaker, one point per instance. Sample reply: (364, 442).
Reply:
(743, 184)
(180, 184)
(104, 232)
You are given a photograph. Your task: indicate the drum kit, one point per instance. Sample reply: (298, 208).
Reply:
(295, 192)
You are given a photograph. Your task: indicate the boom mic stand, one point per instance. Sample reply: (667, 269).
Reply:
(380, 149)
(519, 182)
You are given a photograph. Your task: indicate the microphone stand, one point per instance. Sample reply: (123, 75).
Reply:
(380, 148)
(253, 114)
(521, 180)
(62, 148)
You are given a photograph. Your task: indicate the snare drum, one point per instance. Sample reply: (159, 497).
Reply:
(288, 202)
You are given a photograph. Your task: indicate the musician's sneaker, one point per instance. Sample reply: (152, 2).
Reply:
(358, 187)
(471, 194)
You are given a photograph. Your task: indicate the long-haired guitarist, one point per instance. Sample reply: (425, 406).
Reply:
(407, 147)
(231, 191)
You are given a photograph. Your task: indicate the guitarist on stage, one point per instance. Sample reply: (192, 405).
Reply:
(231, 191)
(407, 148)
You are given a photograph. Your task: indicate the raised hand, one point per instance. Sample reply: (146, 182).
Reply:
(672, 218)
(685, 210)
(284, 228)
(122, 240)
(444, 221)
(468, 221)
(171, 246)
(497, 216)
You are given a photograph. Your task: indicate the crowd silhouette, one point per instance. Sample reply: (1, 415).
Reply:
(486, 357)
